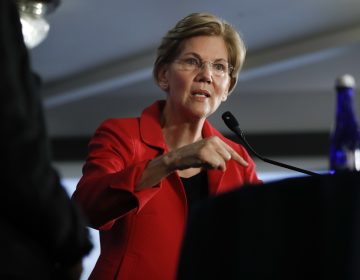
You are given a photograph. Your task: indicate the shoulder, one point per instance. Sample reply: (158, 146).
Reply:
(120, 124)
(116, 130)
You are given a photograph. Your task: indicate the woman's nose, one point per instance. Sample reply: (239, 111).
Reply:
(205, 73)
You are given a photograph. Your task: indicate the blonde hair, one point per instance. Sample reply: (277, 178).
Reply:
(198, 24)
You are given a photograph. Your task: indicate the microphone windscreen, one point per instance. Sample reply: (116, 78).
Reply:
(230, 120)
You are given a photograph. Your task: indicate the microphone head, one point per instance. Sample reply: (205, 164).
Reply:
(230, 121)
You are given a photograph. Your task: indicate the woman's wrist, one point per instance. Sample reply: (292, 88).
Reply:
(156, 170)
(169, 160)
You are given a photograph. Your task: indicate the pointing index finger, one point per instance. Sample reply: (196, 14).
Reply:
(235, 156)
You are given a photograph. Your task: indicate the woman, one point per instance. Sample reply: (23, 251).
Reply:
(142, 174)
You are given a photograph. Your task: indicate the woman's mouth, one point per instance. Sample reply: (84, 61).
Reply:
(200, 93)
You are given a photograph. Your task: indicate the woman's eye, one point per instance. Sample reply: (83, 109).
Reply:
(191, 61)
(219, 66)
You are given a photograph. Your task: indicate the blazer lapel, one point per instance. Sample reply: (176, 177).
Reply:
(150, 128)
(214, 180)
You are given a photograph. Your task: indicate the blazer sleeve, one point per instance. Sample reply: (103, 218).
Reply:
(33, 200)
(113, 167)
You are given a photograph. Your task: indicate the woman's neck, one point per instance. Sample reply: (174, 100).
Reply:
(177, 135)
(178, 130)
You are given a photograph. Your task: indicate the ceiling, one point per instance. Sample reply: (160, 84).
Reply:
(97, 60)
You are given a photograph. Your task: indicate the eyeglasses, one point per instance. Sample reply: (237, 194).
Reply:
(218, 68)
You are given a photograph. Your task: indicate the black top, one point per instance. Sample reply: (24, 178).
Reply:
(196, 187)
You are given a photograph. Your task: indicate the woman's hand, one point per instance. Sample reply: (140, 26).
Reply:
(209, 153)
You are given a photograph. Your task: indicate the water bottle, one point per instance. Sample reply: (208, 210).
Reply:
(345, 139)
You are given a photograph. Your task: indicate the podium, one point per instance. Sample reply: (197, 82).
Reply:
(297, 228)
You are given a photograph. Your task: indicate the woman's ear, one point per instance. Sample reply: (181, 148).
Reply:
(224, 96)
(226, 93)
(162, 78)
(232, 84)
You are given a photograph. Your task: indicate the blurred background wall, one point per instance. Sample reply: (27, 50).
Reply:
(96, 63)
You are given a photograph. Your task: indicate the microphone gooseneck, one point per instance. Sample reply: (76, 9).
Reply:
(233, 125)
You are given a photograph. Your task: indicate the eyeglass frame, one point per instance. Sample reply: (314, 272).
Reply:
(200, 64)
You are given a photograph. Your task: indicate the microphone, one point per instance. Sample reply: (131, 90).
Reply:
(233, 125)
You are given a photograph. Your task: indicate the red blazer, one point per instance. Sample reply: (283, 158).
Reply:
(141, 232)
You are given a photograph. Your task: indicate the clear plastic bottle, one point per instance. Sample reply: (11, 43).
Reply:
(345, 139)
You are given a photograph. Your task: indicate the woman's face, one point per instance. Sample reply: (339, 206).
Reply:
(196, 92)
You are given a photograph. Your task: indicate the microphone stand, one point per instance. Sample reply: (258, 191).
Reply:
(233, 125)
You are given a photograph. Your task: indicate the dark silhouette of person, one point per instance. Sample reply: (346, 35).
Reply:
(42, 233)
